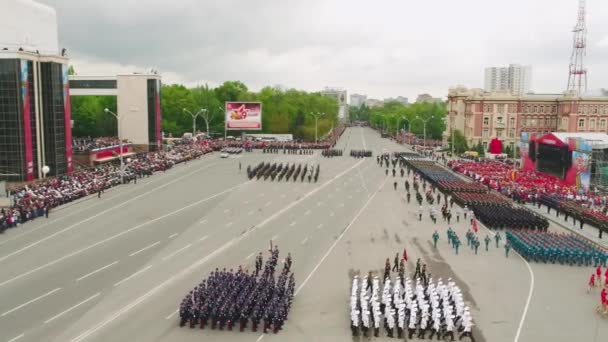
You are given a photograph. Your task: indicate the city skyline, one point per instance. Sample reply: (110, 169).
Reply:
(404, 56)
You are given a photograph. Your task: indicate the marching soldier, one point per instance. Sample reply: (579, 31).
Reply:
(435, 239)
(487, 240)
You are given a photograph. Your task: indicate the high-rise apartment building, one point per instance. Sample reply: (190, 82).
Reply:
(515, 79)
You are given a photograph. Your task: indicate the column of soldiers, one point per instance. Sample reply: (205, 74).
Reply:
(434, 308)
(332, 153)
(285, 171)
(360, 153)
(499, 216)
(228, 298)
(296, 150)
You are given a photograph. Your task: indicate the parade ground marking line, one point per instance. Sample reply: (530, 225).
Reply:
(97, 270)
(144, 249)
(197, 264)
(203, 238)
(249, 256)
(100, 214)
(71, 308)
(30, 301)
(117, 235)
(293, 223)
(134, 275)
(173, 235)
(203, 221)
(16, 338)
(304, 241)
(172, 314)
(177, 252)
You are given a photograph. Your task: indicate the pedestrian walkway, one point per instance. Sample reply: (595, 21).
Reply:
(588, 232)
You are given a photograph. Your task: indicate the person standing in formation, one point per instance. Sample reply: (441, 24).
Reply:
(435, 239)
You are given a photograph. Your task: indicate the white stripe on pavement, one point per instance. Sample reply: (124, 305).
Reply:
(133, 275)
(176, 252)
(16, 338)
(71, 308)
(173, 235)
(203, 238)
(249, 256)
(30, 301)
(97, 270)
(172, 314)
(143, 249)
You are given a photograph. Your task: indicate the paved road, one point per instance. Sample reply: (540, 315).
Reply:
(115, 268)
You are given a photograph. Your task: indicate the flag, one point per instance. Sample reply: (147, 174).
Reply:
(404, 255)
(475, 225)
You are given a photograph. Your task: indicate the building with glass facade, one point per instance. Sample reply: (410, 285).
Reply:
(35, 122)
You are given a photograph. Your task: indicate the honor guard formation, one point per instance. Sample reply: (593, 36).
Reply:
(331, 153)
(360, 153)
(402, 305)
(294, 150)
(285, 171)
(228, 298)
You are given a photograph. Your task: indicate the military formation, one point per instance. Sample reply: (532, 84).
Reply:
(299, 151)
(360, 153)
(227, 298)
(499, 216)
(331, 153)
(403, 306)
(287, 171)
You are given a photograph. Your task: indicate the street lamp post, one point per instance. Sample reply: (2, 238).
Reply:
(118, 120)
(316, 116)
(424, 121)
(404, 130)
(194, 116)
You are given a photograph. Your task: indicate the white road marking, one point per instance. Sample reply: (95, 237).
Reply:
(133, 275)
(97, 270)
(331, 248)
(173, 235)
(292, 224)
(177, 252)
(80, 251)
(30, 301)
(260, 338)
(71, 308)
(143, 249)
(172, 314)
(98, 214)
(15, 338)
(250, 212)
(203, 221)
(320, 226)
(304, 241)
(249, 256)
(203, 238)
(109, 319)
(229, 224)
(274, 237)
(268, 203)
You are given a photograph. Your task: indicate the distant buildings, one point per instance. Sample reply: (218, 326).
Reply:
(482, 116)
(374, 103)
(401, 99)
(339, 94)
(515, 79)
(357, 100)
(422, 98)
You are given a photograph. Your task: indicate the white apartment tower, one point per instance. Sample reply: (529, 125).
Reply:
(515, 79)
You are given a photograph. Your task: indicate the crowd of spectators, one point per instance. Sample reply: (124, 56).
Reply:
(88, 144)
(534, 187)
(37, 199)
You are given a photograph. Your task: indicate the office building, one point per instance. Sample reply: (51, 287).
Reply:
(515, 79)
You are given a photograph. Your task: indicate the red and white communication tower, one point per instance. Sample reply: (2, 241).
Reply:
(577, 77)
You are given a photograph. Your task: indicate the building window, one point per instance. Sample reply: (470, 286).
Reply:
(592, 124)
(486, 132)
(512, 133)
(486, 108)
(525, 109)
(564, 123)
(501, 108)
(546, 121)
(534, 109)
(499, 120)
(542, 109)
(512, 122)
(594, 109)
(581, 123)
(603, 124)
(486, 121)
(485, 145)
(553, 109)
(499, 133)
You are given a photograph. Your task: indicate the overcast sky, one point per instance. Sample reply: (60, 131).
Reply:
(379, 48)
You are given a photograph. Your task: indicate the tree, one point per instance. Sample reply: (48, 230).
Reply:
(479, 148)
(460, 142)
